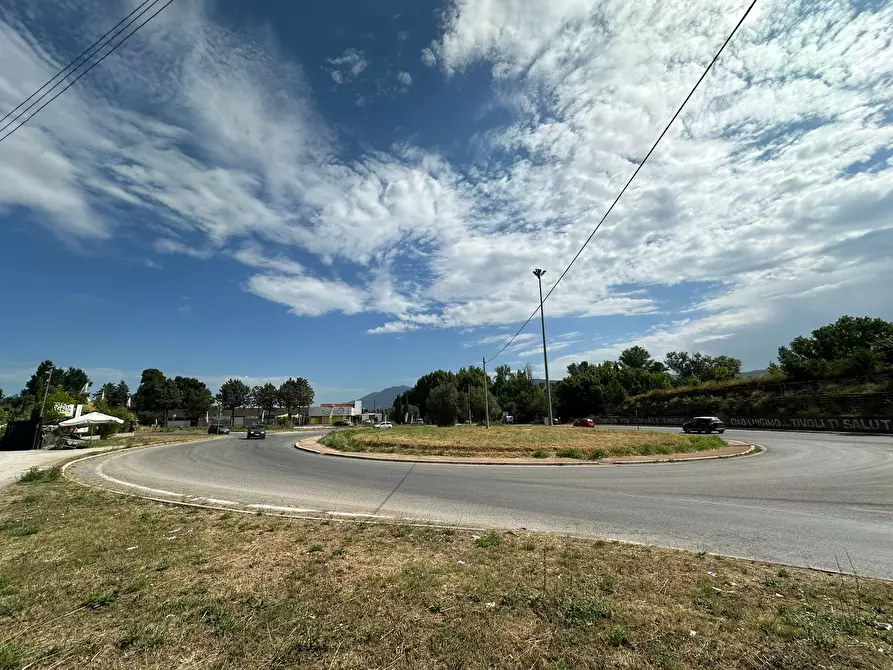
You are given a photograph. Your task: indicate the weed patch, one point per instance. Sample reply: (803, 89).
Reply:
(42, 475)
(489, 540)
(571, 452)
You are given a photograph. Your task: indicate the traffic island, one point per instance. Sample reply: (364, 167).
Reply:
(522, 445)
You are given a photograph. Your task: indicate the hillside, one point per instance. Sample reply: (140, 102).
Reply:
(383, 398)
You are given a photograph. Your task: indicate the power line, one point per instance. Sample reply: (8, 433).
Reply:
(506, 345)
(636, 171)
(86, 53)
(75, 80)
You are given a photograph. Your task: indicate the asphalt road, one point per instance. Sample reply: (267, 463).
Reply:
(809, 500)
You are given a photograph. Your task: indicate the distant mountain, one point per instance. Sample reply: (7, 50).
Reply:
(383, 398)
(753, 373)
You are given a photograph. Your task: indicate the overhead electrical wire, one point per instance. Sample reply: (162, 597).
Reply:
(91, 51)
(634, 174)
(86, 53)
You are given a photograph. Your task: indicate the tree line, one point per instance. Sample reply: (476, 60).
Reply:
(851, 346)
(155, 397)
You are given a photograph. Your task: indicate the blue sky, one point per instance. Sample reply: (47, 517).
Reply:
(357, 192)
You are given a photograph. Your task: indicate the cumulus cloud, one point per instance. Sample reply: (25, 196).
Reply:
(774, 188)
(347, 66)
(405, 79)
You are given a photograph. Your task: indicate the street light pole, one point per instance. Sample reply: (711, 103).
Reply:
(539, 276)
(486, 394)
(46, 390)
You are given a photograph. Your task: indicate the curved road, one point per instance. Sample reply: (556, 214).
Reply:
(809, 500)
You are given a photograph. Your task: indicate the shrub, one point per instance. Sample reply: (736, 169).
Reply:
(571, 453)
(596, 454)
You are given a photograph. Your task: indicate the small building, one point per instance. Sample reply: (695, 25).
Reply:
(329, 413)
(244, 416)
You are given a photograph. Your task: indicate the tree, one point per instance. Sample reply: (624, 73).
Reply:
(104, 392)
(418, 394)
(169, 397)
(195, 396)
(35, 385)
(73, 381)
(266, 397)
(121, 394)
(580, 394)
(850, 345)
(115, 395)
(638, 358)
(295, 393)
(234, 394)
(56, 396)
(479, 407)
(147, 398)
(443, 404)
(702, 366)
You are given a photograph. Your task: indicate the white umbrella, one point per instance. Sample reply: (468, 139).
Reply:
(91, 419)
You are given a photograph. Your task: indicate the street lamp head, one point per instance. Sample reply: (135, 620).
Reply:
(539, 273)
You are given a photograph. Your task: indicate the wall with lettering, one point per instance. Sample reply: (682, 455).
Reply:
(841, 424)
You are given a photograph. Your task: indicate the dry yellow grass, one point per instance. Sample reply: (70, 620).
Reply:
(519, 441)
(93, 580)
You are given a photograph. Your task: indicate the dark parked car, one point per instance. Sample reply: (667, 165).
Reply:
(584, 423)
(216, 429)
(257, 430)
(704, 424)
(341, 423)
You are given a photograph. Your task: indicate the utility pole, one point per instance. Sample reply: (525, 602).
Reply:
(46, 390)
(486, 395)
(539, 276)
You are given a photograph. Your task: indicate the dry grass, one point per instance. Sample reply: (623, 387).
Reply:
(102, 581)
(519, 441)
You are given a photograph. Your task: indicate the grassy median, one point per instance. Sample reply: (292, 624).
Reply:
(94, 580)
(519, 442)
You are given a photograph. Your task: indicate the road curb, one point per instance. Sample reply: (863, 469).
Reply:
(753, 449)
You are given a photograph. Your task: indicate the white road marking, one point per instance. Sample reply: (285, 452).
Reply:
(111, 479)
(211, 501)
(281, 508)
(367, 516)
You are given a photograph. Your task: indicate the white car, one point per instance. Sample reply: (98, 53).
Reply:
(384, 424)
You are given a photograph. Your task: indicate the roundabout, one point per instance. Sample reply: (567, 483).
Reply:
(809, 500)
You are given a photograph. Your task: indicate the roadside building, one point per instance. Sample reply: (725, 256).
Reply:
(244, 416)
(329, 413)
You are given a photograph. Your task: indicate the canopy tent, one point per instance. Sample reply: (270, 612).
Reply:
(91, 419)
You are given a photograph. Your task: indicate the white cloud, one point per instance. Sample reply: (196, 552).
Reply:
(165, 245)
(347, 66)
(308, 296)
(404, 78)
(402, 36)
(428, 57)
(252, 256)
(773, 188)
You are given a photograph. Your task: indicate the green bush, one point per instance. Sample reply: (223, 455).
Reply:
(569, 452)
(107, 430)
